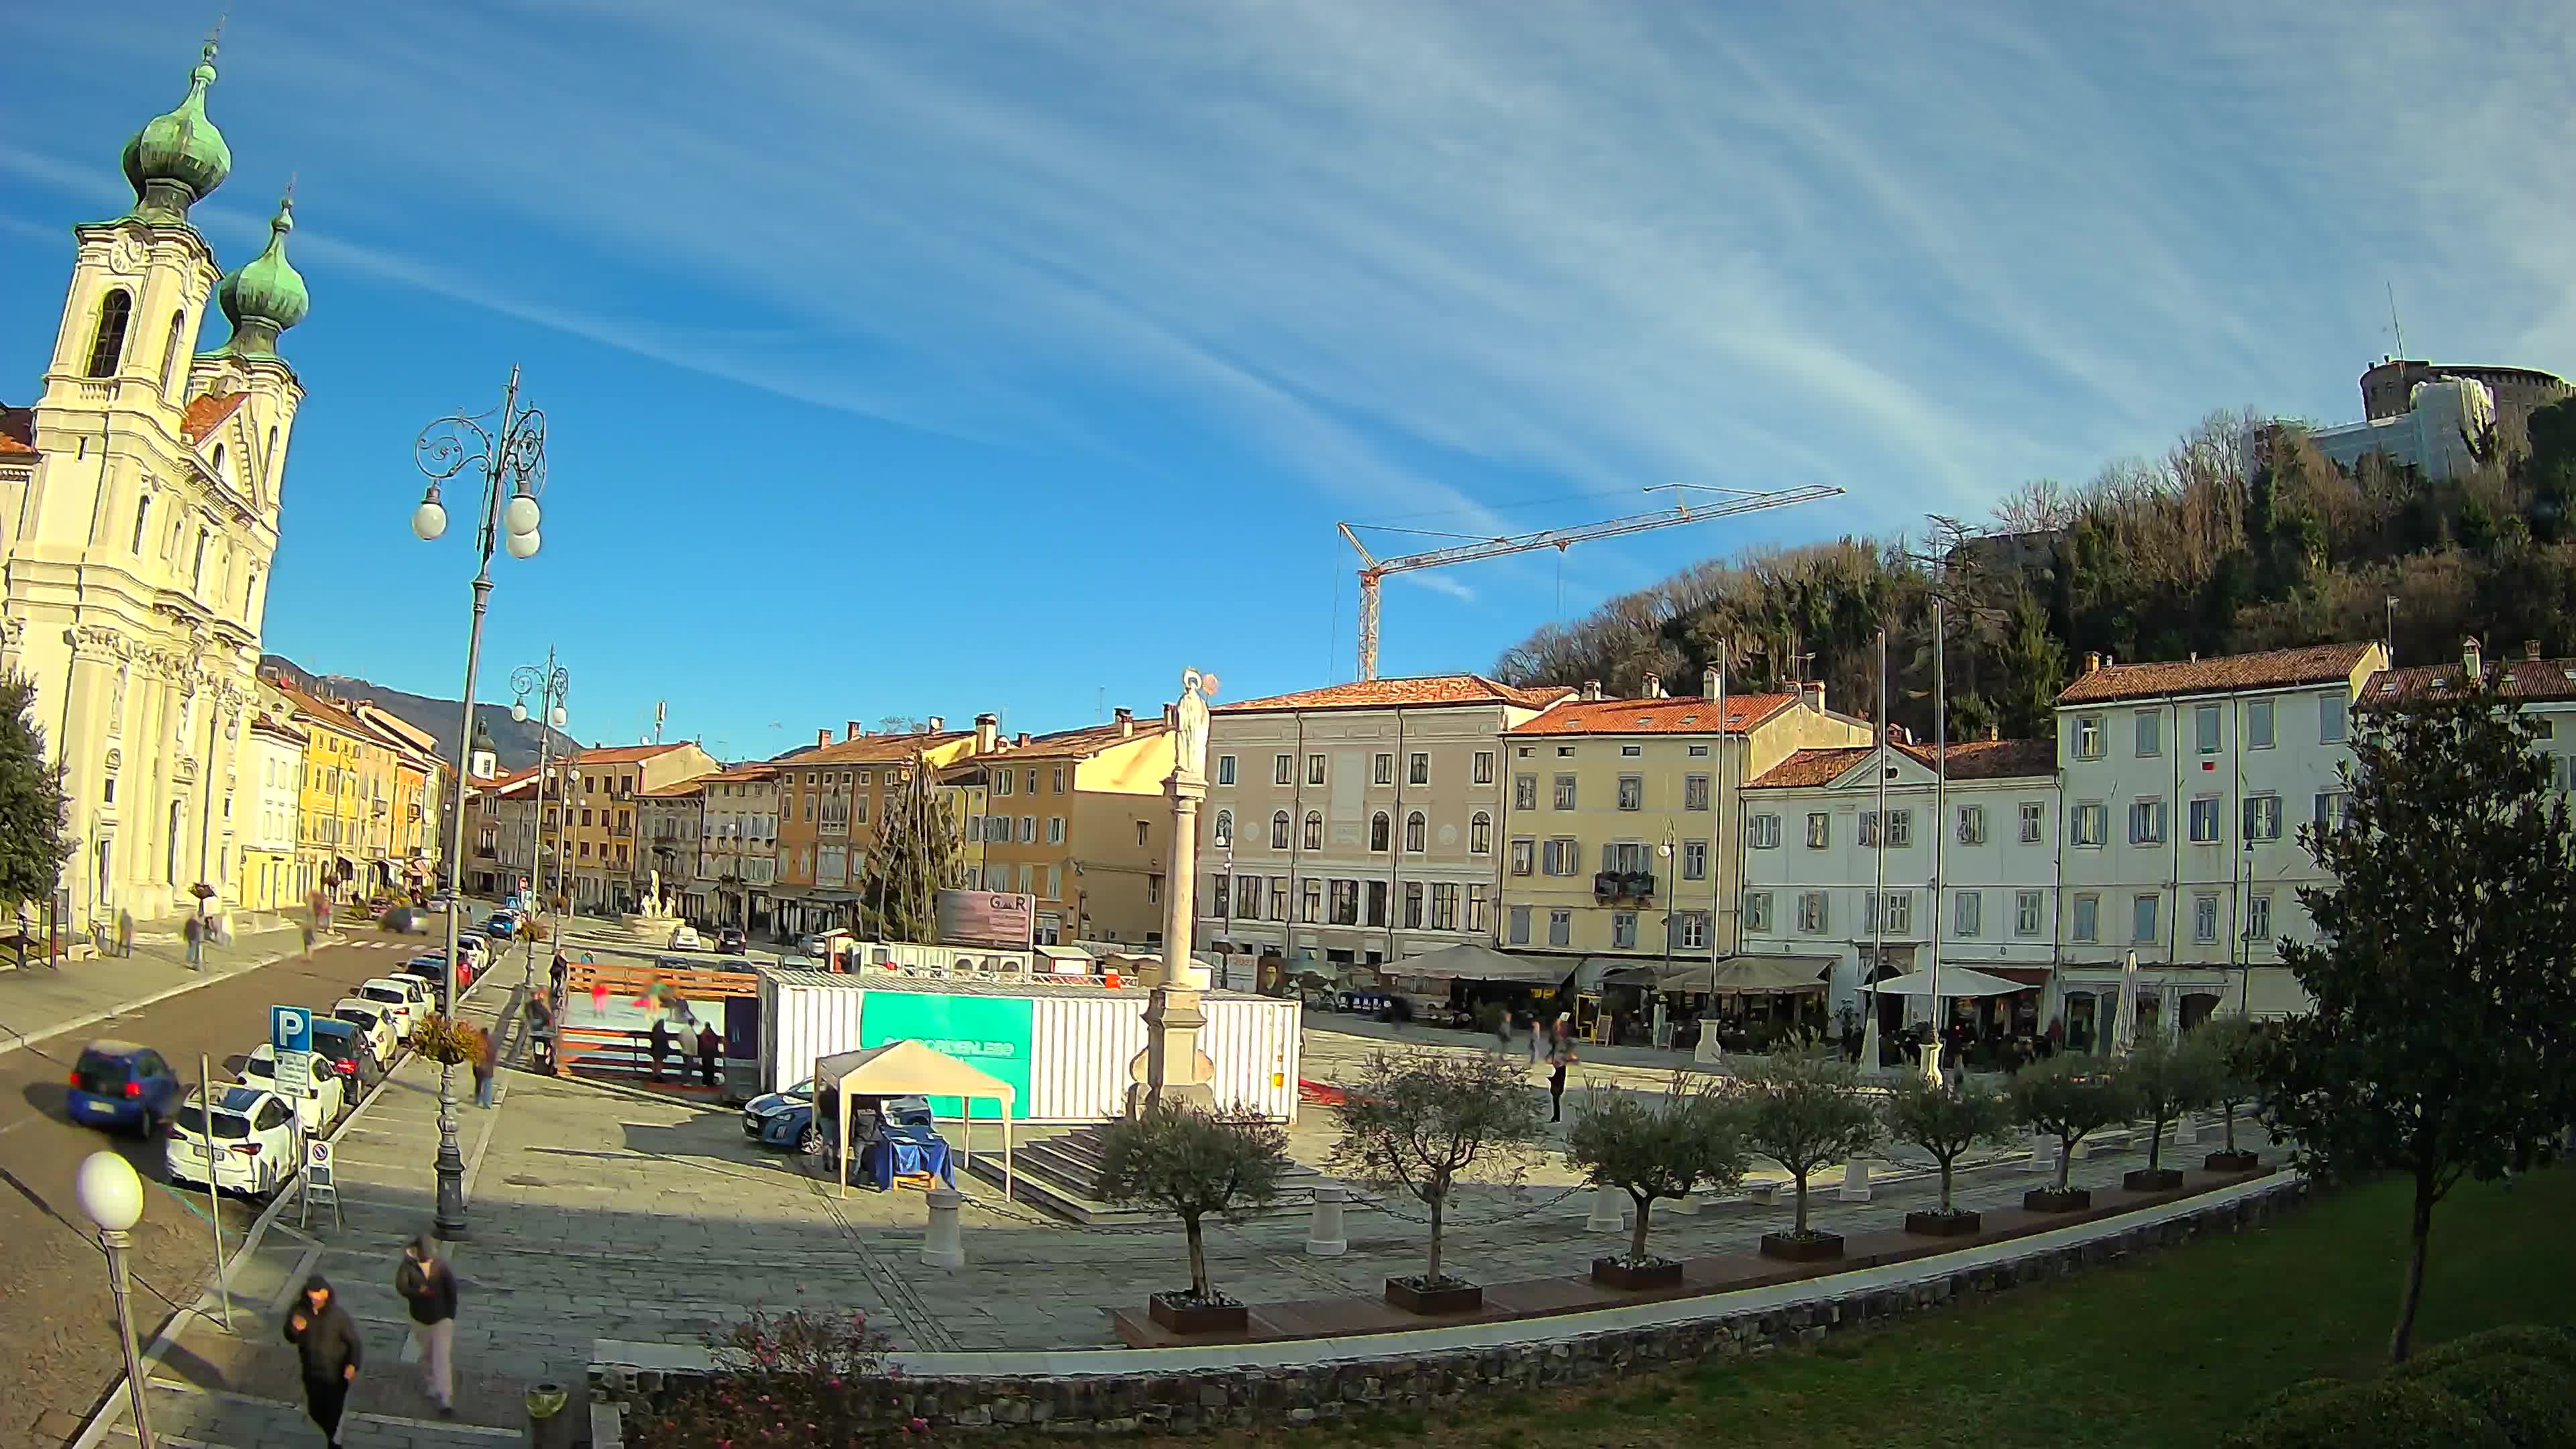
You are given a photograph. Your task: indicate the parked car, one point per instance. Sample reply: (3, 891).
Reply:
(796, 1127)
(757, 1112)
(813, 945)
(731, 941)
(431, 966)
(398, 1000)
(503, 925)
(351, 1058)
(372, 1018)
(120, 1084)
(684, 937)
(405, 921)
(323, 1096)
(475, 952)
(245, 1140)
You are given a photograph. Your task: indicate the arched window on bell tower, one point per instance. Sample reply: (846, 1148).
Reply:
(219, 460)
(171, 379)
(107, 344)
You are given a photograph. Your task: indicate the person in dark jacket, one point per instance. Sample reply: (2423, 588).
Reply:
(326, 1339)
(708, 1045)
(426, 1283)
(661, 1046)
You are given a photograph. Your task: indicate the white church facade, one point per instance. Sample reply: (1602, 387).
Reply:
(139, 504)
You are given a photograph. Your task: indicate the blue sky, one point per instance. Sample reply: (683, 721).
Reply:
(927, 359)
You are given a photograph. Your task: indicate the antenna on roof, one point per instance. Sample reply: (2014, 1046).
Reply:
(2395, 328)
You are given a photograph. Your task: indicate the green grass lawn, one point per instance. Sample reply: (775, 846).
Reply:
(2170, 1350)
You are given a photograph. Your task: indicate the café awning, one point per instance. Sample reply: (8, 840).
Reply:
(1734, 976)
(1468, 961)
(1955, 981)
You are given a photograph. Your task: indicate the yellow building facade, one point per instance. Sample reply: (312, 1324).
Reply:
(1079, 819)
(1621, 820)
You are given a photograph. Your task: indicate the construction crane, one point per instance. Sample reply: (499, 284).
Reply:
(1736, 501)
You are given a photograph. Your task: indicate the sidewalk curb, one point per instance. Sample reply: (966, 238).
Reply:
(113, 1409)
(21, 1043)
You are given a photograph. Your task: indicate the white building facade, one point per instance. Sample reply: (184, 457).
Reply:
(2185, 785)
(1297, 784)
(1962, 871)
(738, 845)
(268, 837)
(139, 502)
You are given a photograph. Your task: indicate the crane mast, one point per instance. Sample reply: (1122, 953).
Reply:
(1373, 570)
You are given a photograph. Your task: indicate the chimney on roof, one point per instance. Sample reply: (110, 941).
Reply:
(1712, 683)
(2092, 661)
(1813, 693)
(937, 724)
(988, 732)
(1654, 686)
(1126, 723)
(1171, 716)
(2531, 649)
(853, 728)
(822, 737)
(2472, 659)
(1591, 689)
(1022, 739)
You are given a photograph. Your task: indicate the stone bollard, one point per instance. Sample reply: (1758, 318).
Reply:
(1855, 1181)
(2083, 1150)
(550, 1417)
(1608, 1212)
(1325, 1237)
(945, 1246)
(2186, 1131)
(2043, 1154)
(1685, 1206)
(1765, 1194)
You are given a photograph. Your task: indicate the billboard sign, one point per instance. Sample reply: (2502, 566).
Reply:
(989, 1033)
(1000, 920)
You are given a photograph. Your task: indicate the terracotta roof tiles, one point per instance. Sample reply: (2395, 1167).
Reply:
(1422, 691)
(1686, 714)
(1080, 744)
(2272, 669)
(1969, 760)
(870, 750)
(207, 411)
(2524, 679)
(17, 432)
(626, 754)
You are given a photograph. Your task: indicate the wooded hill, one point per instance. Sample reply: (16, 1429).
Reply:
(2242, 537)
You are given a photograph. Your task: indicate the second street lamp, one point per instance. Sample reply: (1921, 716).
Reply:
(508, 450)
(550, 685)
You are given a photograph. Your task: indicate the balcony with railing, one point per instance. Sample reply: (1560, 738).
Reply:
(1623, 885)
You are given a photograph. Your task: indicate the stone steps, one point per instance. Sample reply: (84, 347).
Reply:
(1060, 1174)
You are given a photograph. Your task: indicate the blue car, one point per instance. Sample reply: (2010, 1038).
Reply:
(119, 1084)
(794, 1125)
(501, 927)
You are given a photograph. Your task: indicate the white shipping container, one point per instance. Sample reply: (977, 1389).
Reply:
(1081, 1039)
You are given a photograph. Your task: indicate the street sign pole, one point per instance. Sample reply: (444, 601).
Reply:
(214, 1203)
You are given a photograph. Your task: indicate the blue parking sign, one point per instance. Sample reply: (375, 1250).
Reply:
(290, 1029)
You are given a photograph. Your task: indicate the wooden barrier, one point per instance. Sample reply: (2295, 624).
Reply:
(693, 984)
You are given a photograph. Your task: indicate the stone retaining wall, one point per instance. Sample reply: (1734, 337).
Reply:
(1397, 1381)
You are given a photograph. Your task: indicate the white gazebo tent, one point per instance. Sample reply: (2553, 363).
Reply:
(909, 1068)
(1956, 981)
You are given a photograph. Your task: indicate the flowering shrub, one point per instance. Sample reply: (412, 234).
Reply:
(797, 1380)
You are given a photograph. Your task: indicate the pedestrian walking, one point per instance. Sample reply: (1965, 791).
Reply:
(708, 1045)
(661, 1046)
(1560, 1056)
(124, 932)
(486, 1067)
(1538, 1040)
(194, 930)
(562, 968)
(429, 1286)
(327, 1344)
(541, 1033)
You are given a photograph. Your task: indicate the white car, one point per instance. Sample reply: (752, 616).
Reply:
(371, 1018)
(475, 952)
(247, 1140)
(398, 1000)
(685, 938)
(323, 1096)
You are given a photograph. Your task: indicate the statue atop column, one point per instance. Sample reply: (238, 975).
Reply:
(1190, 743)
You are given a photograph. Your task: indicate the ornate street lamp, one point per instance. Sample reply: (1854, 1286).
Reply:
(508, 450)
(111, 1196)
(550, 685)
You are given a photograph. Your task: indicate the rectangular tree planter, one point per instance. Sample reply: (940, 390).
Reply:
(1198, 1318)
(1612, 1273)
(2050, 1200)
(1449, 1298)
(2231, 1162)
(1819, 1248)
(2152, 1179)
(1943, 1225)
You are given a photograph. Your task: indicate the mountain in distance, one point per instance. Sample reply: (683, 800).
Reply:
(514, 744)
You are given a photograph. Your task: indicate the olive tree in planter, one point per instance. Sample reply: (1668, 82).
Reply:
(1421, 1126)
(2166, 1079)
(1946, 1122)
(2234, 1044)
(1803, 1108)
(2069, 1098)
(1193, 1164)
(1687, 1139)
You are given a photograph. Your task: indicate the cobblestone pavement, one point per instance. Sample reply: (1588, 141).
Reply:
(602, 1211)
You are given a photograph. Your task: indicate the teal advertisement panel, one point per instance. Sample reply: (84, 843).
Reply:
(990, 1034)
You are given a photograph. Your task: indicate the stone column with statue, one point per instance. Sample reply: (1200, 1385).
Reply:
(1172, 1067)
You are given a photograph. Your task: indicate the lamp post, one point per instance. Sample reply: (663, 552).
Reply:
(508, 450)
(112, 1196)
(550, 685)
